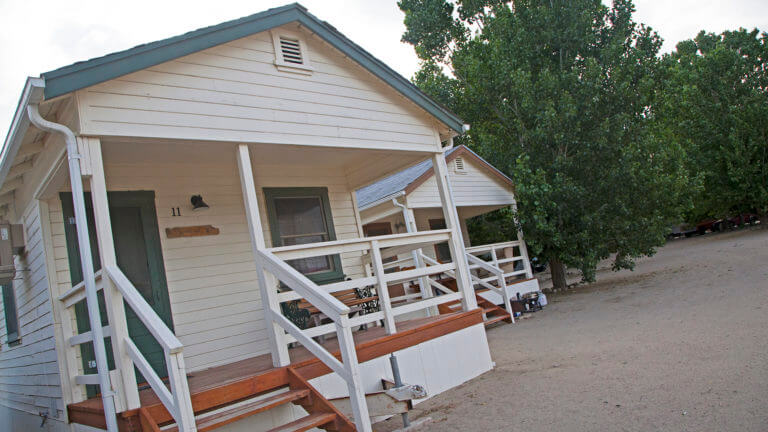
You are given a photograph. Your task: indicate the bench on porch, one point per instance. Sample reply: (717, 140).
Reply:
(359, 300)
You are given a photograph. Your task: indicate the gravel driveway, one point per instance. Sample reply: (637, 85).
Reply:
(679, 344)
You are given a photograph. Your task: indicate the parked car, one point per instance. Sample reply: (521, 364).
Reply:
(714, 225)
(743, 219)
(709, 224)
(683, 229)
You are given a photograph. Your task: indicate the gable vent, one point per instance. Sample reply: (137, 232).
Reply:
(291, 50)
(459, 164)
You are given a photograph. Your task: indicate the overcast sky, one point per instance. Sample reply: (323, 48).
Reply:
(38, 36)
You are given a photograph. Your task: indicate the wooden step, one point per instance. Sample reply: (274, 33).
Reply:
(494, 320)
(493, 313)
(226, 416)
(306, 423)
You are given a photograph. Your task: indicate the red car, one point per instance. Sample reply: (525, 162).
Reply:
(721, 224)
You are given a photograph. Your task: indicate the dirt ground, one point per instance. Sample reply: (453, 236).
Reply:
(679, 344)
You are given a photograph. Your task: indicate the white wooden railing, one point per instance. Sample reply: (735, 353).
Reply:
(176, 399)
(496, 255)
(374, 250)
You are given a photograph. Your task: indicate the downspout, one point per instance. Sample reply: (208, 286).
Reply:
(86, 260)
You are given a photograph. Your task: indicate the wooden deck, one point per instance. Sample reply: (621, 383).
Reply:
(223, 385)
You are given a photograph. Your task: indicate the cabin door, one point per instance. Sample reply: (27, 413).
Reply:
(139, 256)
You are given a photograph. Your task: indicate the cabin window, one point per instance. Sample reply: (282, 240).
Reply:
(379, 229)
(11, 315)
(291, 53)
(301, 216)
(442, 250)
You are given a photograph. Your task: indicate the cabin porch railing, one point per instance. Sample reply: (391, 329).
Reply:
(374, 250)
(495, 254)
(176, 399)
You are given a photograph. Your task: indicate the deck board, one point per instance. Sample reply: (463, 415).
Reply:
(220, 385)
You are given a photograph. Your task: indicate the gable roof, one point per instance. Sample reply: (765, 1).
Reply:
(87, 73)
(409, 179)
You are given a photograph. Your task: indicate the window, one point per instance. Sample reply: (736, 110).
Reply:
(291, 53)
(301, 216)
(11, 315)
(379, 229)
(442, 250)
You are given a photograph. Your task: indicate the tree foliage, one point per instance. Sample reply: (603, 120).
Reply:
(560, 95)
(715, 104)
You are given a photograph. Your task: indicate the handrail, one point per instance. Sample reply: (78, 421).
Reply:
(433, 262)
(484, 265)
(178, 400)
(77, 292)
(489, 246)
(144, 311)
(500, 277)
(493, 249)
(326, 303)
(359, 244)
(348, 368)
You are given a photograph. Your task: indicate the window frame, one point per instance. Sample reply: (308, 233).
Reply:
(272, 193)
(9, 304)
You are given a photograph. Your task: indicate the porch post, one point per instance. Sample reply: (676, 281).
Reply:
(90, 149)
(267, 283)
(523, 246)
(424, 288)
(455, 243)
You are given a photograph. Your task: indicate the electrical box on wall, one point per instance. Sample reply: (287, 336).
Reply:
(11, 243)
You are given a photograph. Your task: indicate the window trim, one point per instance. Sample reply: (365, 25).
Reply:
(272, 193)
(305, 68)
(9, 293)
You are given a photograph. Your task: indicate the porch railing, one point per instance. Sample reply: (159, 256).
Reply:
(375, 250)
(176, 399)
(501, 256)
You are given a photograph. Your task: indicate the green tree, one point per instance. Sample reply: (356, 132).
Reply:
(715, 104)
(560, 97)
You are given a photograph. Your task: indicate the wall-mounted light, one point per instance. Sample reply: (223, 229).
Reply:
(399, 226)
(198, 203)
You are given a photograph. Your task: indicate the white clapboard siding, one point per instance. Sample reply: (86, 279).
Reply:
(212, 283)
(29, 374)
(234, 92)
(477, 187)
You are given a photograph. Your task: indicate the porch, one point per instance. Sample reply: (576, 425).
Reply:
(217, 387)
(228, 282)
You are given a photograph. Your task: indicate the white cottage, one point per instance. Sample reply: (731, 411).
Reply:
(408, 201)
(193, 255)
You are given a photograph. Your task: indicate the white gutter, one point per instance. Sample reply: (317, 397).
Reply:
(32, 115)
(382, 200)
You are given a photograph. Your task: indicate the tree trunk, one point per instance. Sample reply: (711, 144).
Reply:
(557, 269)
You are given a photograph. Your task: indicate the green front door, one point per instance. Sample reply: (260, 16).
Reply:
(139, 256)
